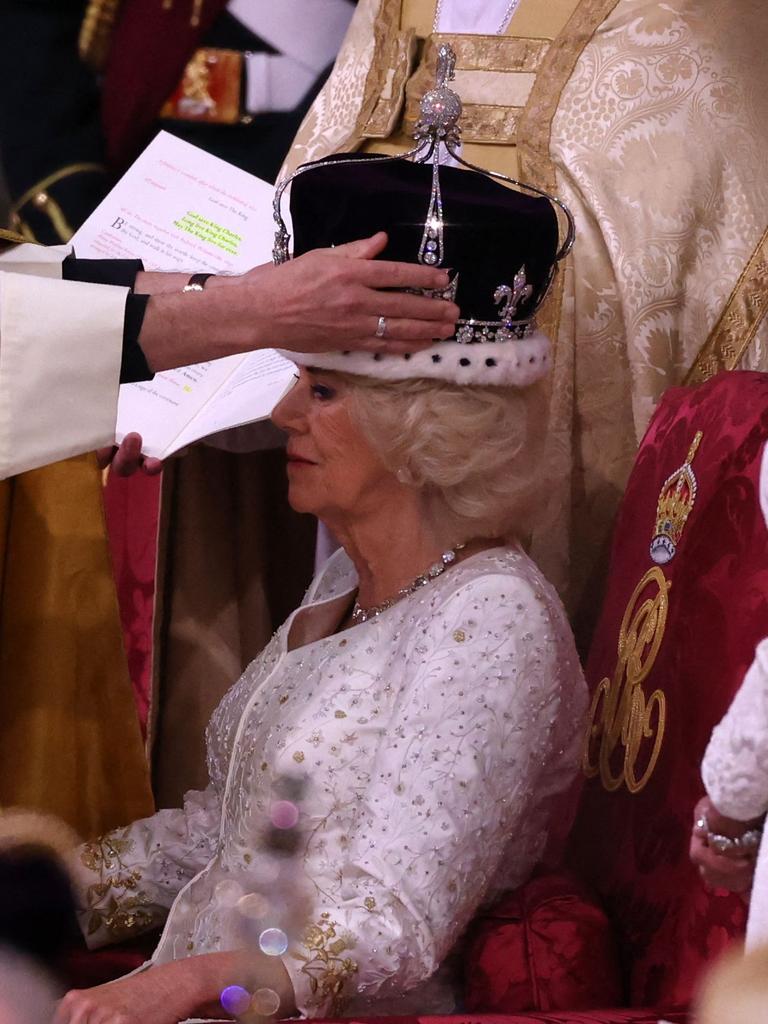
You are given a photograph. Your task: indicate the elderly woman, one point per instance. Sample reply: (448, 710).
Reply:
(436, 724)
(427, 693)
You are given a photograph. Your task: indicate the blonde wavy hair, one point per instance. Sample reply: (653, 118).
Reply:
(474, 451)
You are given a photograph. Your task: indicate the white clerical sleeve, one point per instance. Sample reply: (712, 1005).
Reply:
(60, 353)
(127, 879)
(480, 746)
(735, 766)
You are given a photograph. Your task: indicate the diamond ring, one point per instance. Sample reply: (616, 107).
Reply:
(381, 327)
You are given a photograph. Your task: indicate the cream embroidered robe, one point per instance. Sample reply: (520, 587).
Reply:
(651, 121)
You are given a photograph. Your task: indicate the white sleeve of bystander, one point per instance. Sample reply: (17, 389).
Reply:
(60, 353)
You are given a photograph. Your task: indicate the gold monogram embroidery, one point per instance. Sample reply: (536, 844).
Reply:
(620, 713)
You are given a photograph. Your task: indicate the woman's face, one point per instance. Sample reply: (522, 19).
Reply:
(332, 470)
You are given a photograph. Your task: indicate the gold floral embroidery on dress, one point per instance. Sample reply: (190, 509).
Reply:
(324, 964)
(126, 911)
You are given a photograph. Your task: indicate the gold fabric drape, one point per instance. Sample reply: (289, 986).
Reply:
(69, 735)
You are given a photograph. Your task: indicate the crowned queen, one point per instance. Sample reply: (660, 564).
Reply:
(427, 694)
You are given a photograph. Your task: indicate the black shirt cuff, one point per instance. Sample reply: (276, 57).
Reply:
(119, 272)
(134, 365)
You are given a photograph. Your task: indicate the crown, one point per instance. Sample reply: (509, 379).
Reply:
(437, 133)
(674, 506)
(503, 240)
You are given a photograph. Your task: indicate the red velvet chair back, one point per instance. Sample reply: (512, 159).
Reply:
(671, 648)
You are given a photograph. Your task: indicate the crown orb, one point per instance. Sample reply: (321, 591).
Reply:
(441, 109)
(662, 549)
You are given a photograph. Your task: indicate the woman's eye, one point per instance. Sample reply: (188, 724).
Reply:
(322, 392)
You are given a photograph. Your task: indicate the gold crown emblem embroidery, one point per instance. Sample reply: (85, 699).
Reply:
(674, 506)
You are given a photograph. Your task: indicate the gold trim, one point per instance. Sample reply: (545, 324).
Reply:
(389, 45)
(9, 238)
(739, 321)
(504, 54)
(96, 31)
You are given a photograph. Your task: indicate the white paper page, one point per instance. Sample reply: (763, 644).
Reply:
(250, 394)
(179, 208)
(161, 409)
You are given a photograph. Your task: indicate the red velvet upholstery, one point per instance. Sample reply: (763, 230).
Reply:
(84, 968)
(632, 847)
(132, 508)
(548, 946)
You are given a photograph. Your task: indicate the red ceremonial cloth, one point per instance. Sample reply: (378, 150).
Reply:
(546, 946)
(150, 48)
(620, 1016)
(132, 508)
(632, 847)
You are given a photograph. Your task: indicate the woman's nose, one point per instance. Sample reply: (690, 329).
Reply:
(290, 412)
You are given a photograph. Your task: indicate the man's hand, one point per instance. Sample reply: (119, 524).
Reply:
(326, 300)
(730, 870)
(126, 459)
(332, 299)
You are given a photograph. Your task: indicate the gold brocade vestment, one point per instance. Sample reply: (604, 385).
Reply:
(649, 120)
(70, 735)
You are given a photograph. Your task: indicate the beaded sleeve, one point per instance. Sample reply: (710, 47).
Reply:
(127, 879)
(735, 766)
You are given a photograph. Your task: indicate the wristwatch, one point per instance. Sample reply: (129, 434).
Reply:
(196, 283)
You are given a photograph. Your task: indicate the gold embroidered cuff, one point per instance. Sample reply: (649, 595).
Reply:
(325, 966)
(115, 903)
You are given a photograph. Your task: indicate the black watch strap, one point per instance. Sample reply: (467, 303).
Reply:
(196, 283)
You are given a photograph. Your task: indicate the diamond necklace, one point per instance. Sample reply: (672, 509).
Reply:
(511, 8)
(447, 558)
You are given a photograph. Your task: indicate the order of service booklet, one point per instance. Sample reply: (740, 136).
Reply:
(177, 208)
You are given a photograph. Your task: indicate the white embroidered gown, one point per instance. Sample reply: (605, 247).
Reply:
(735, 773)
(439, 743)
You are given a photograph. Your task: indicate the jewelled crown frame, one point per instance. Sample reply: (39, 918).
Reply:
(438, 128)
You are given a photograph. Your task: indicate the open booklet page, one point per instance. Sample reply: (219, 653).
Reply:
(181, 406)
(178, 208)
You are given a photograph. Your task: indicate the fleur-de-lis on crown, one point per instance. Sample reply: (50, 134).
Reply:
(508, 299)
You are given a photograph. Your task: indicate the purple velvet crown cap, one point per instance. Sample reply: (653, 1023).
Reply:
(491, 230)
